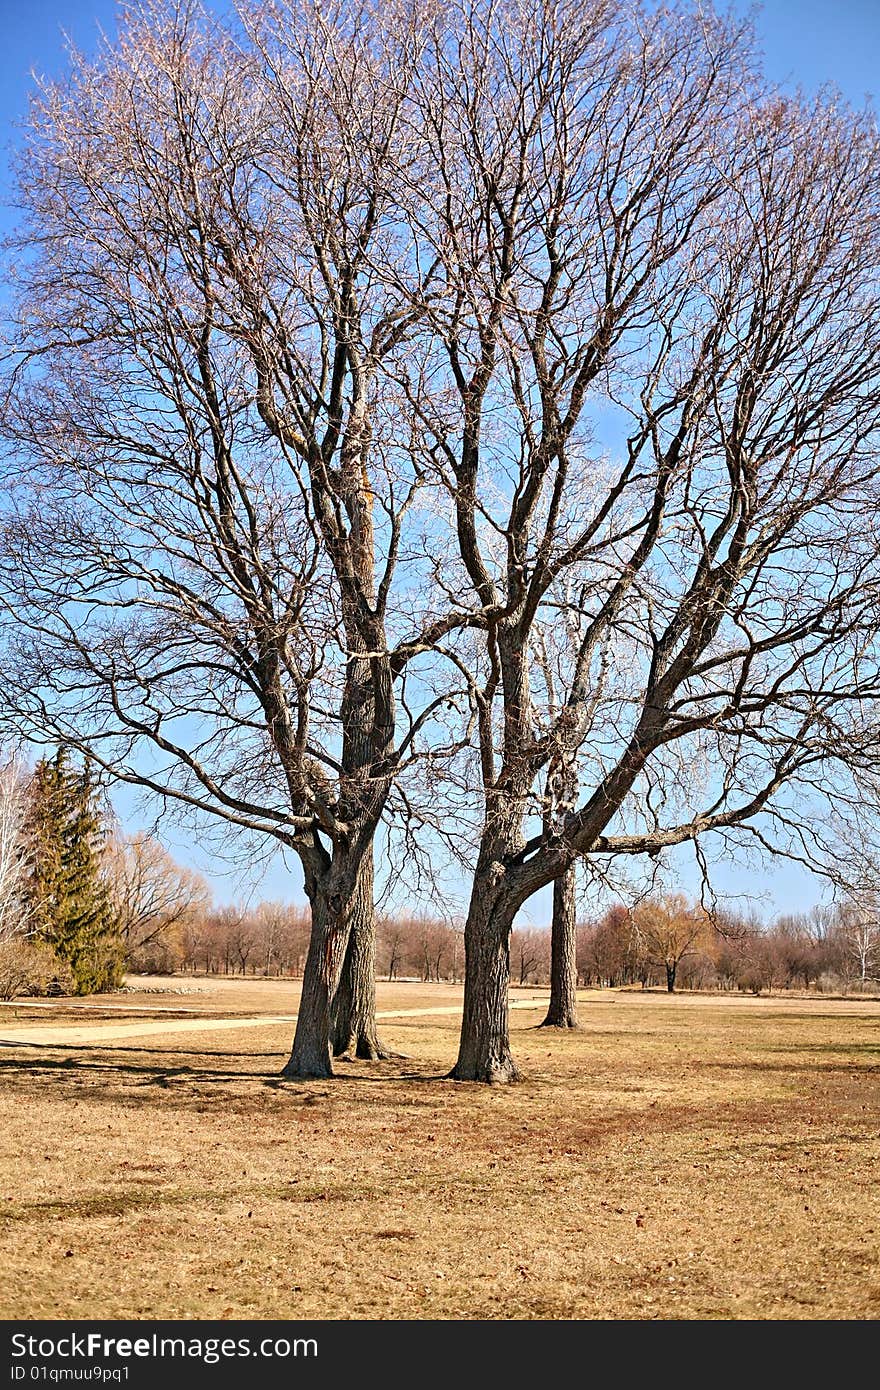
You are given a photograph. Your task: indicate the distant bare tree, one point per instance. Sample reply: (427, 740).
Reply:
(272, 923)
(152, 895)
(433, 948)
(295, 940)
(195, 946)
(858, 927)
(22, 962)
(242, 938)
(529, 951)
(607, 953)
(667, 930)
(392, 942)
(13, 860)
(229, 938)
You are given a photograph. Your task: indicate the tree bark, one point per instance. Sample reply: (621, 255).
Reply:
(670, 976)
(563, 1010)
(331, 923)
(484, 1048)
(353, 1030)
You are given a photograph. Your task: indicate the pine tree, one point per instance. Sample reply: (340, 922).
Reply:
(70, 901)
(44, 840)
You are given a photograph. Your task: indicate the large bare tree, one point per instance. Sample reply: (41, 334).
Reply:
(655, 364)
(529, 348)
(200, 560)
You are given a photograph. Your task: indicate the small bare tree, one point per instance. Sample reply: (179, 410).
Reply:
(153, 897)
(858, 927)
(666, 931)
(392, 939)
(529, 952)
(22, 962)
(13, 860)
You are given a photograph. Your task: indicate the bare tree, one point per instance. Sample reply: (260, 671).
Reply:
(392, 941)
(192, 941)
(13, 860)
(528, 949)
(22, 961)
(152, 895)
(851, 926)
(272, 923)
(537, 338)
(606, 949)
(858, 927)
(295, 940)
(432, 948)
(667, 929)
(631, 235)
(197, 384)
(241, 937)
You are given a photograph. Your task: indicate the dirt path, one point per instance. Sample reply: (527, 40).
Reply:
(95, 1035)
(72, 1007)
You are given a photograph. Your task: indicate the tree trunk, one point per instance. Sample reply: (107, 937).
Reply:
(563, 1011)
(341, 893)
(484, 1049)
(353, 1031)
(670, 976)
(331, 921)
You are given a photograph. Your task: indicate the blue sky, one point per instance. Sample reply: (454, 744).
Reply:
(806, 43)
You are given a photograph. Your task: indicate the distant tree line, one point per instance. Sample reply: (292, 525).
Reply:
(81, 903)
(669, 942)
(664, 941)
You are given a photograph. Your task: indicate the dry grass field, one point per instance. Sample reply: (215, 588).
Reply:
(684, 1157)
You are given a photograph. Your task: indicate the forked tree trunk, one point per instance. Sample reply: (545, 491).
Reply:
(484, 1049)
(563, 1011)
(331, 920)
(353, 1030)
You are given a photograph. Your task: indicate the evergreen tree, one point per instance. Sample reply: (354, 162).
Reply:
(44, 839)
(70, 901)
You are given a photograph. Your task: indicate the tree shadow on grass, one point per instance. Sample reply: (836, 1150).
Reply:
(72, 1063)
(290, 1083)
(864, 1060)
(151, 1074)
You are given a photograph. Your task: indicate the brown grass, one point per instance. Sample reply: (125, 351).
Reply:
(688, 1157)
